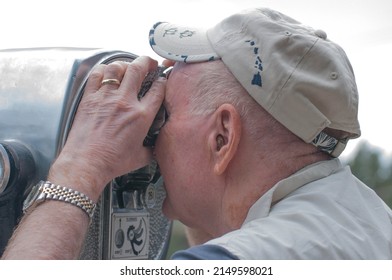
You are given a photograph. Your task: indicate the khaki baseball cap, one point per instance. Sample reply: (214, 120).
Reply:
(294, 72)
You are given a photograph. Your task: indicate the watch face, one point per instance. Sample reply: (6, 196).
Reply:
(33, 195)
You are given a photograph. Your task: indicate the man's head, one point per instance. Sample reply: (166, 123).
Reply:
(294, 72)
(219, 151)
(224, 144)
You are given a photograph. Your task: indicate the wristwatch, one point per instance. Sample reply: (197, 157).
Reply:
(46, 190)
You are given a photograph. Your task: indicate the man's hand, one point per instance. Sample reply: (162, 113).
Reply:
(106, 138)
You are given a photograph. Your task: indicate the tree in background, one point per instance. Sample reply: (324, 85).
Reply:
(374, 168)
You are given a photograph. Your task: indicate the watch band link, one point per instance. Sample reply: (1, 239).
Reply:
(60, 193)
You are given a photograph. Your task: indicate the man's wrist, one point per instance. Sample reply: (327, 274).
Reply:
(79, 177)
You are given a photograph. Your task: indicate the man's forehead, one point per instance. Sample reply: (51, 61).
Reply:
(184, 75)
(179, 81)
(184, 78)
(183, 68)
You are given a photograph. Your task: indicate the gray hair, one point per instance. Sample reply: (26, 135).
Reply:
(218, 86)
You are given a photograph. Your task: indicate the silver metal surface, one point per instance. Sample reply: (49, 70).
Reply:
(5, 168)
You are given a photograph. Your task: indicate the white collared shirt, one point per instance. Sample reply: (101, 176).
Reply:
(320, 212)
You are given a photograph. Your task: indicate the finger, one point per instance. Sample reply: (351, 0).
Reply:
(95, 78)
(135, 74)
(168, 63)
(112, 77)
(154, 99)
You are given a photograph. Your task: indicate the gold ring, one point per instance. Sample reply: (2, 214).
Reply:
(110, 82)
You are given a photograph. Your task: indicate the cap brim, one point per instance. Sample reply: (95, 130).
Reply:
(181, 43)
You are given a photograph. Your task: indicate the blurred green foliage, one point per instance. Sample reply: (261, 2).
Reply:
(370, 165)
(177, 240)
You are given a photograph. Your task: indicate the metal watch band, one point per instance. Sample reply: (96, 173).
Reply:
(60, 193)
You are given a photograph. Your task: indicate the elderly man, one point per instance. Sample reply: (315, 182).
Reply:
(259, 108)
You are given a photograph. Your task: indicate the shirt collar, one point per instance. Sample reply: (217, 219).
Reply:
(288, 185)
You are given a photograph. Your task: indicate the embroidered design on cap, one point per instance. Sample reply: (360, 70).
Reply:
(256, 80)
(181, 42)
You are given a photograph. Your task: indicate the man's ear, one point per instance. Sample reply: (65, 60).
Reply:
(224, 136)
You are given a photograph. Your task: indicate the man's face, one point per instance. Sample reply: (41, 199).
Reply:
(182, 151)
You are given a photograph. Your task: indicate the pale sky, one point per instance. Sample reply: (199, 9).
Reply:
(362, 27)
